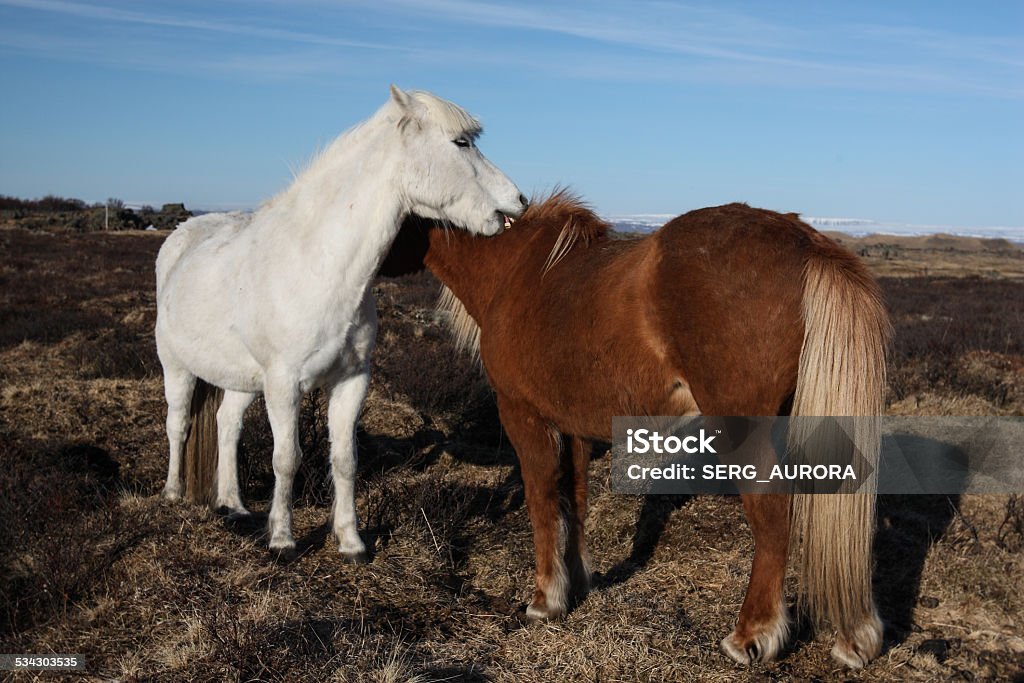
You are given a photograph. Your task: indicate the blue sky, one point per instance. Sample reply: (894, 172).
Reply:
(900, 111)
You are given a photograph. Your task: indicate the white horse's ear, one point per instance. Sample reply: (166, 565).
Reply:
(401, 99)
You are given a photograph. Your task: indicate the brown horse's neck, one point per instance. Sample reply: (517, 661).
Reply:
(471, 266)
(474, 268)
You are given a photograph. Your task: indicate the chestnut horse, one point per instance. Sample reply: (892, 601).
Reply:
(724, 311)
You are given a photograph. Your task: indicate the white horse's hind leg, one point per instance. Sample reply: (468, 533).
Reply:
(178, 387)
(229, 426)
(342, 412)
(282, 399)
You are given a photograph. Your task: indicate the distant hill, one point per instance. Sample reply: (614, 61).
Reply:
(855, 227)
(53, 213)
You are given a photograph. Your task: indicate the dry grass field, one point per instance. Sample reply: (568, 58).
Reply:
(95, 563)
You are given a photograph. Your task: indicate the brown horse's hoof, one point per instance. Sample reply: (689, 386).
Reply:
(744, 655)
(857, 649)
(536, 614)
(763, 647)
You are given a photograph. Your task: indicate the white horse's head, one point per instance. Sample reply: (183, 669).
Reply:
(442, 175)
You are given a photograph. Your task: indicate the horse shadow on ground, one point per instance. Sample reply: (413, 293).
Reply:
(91, 459)
(650, 525)
(476, 439)
(908, 526)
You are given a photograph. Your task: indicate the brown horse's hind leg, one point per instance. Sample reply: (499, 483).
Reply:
(539, 447)
(763, 625)
(576, 556)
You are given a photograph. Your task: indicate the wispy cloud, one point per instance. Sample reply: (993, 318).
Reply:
(613, 41)
(259, 53)
(145, 56)
(700, 32)
(112, 14)
(716, 40)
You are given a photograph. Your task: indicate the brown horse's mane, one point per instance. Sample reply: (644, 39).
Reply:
(561, 204)
(571, 216)
(563, 211)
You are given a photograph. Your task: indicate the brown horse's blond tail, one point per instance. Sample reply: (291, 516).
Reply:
(201, 444)
(842, 373)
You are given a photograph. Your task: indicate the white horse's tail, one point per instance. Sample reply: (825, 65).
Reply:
(841, 373)
(201, 444)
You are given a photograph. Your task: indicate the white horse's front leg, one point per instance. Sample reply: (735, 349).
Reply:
(282, 398)
(229, 426)
(342, 412)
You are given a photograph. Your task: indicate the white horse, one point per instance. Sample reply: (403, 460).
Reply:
(278, 301)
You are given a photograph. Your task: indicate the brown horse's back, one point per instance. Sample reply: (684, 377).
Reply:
(728, 291)
(706, 311)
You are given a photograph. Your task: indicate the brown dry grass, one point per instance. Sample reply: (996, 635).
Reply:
(95, 563)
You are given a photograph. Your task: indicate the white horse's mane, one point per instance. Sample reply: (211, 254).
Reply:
(453, 120)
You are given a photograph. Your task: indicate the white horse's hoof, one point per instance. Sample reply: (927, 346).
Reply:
(352, 547)
(283, 553)
(356, 558)
(283, 556)
(281, 543)
(234, 513)
(171, 494)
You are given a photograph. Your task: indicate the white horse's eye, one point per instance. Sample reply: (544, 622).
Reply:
(462, 142)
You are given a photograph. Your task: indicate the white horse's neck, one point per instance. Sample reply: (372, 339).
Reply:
(343, 212)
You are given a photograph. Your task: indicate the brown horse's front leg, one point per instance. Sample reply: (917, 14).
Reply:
(763, 625)
(539, 447)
